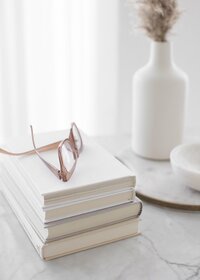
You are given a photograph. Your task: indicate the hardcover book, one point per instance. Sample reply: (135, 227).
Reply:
(75, 243)
(69, 226)
(99, 180)
(95, 207)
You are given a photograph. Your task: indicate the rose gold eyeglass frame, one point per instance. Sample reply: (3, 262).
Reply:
(62, 173)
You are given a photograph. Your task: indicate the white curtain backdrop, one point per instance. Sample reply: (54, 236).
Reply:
(64, 60)
(59, 63)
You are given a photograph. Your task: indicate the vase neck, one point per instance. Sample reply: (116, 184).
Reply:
(161, 54)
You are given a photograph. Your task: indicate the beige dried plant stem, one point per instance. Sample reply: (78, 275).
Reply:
(157, 17)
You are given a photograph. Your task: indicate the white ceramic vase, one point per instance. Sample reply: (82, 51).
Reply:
(159, 104)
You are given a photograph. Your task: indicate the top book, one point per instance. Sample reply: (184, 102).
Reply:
(97, 171)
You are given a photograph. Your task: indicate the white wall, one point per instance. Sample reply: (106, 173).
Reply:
(58, 63)
(76, 59)
(134, 52)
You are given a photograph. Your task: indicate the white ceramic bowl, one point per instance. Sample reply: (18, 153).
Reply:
(185, 161)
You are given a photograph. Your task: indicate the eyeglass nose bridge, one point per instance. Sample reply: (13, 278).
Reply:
(63, 176)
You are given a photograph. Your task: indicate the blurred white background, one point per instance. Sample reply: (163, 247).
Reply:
(73, 60)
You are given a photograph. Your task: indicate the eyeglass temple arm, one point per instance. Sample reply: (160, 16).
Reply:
(30, 152)
(50, 166)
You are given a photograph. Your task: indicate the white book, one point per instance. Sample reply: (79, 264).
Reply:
(97, 171)
(68, 208)
(74, 243)
(75, 225)
(99, 180)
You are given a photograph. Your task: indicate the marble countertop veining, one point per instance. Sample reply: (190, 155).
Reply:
(168, 249)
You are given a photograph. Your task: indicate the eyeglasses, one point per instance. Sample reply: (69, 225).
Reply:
(68, 153)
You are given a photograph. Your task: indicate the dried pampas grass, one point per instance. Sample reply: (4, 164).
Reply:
(157, 17)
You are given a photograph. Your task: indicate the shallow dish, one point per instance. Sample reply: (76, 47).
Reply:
(185, 161)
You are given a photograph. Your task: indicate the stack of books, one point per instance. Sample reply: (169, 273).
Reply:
(96, 206)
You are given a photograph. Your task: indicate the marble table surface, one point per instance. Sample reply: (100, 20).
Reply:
(168, 248)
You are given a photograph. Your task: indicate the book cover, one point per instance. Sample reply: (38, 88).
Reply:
(97, 171)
